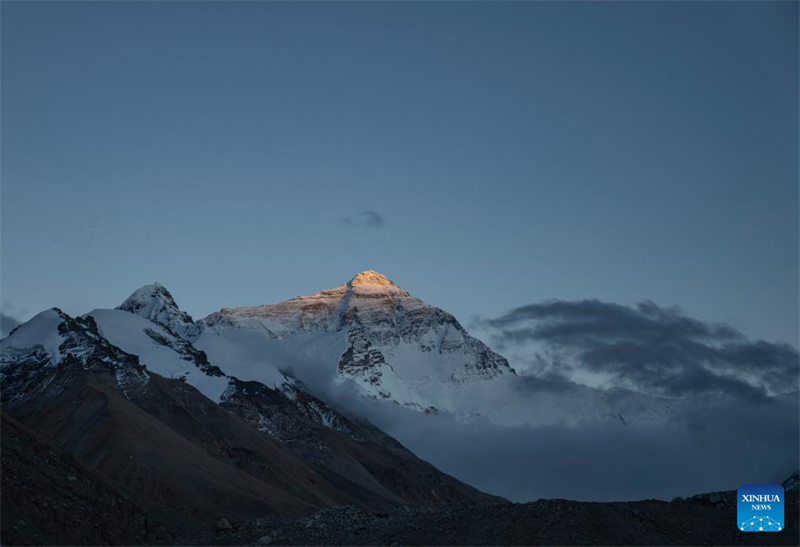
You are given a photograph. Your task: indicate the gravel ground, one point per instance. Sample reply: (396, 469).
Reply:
(707, 519)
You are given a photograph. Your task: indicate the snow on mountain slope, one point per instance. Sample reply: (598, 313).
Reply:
(370, 330)
(39, 335)
(152, 307)
(161, 351)
(241, 364)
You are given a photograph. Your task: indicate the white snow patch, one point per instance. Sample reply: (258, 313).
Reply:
(41, 332)
(127, 332)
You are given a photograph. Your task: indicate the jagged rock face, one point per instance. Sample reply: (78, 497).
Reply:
(275, 414)
(54, 342)
(397, 346)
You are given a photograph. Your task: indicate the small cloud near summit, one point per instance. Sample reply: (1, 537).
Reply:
(7, 324)
(364, 219)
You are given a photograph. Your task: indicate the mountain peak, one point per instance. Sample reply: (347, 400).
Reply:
(371, 278)
(154, 302)
(391, 344)
(147, 294)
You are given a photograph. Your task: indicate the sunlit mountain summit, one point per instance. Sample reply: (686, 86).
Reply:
(392, 345)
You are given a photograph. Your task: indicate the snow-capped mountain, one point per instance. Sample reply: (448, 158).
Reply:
(397, 348)
(368, 331)
(391, 344)
(151, 325)
(162, 351)
(126, 394)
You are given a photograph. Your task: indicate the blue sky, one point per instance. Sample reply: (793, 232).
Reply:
(514, 152)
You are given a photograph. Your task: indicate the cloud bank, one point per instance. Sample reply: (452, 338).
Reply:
(707, 448)
(718, 448)
(646, 348)
(735, 434)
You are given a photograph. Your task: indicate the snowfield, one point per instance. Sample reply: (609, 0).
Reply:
(130, 334)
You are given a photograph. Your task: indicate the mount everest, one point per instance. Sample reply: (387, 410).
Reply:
(292, 407)
(392, 347)
(367, 332)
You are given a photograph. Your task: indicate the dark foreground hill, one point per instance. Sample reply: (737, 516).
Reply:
(49, 498)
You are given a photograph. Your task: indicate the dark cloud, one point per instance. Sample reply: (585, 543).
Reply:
(365, 219)
(654, 350)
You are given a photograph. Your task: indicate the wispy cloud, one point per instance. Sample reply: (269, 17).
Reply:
(639, 460)
(364, 219)
(9, 319)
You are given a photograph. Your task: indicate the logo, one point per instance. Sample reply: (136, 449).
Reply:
(760, 508)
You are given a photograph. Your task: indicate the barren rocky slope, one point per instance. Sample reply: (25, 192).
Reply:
(49, 498)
